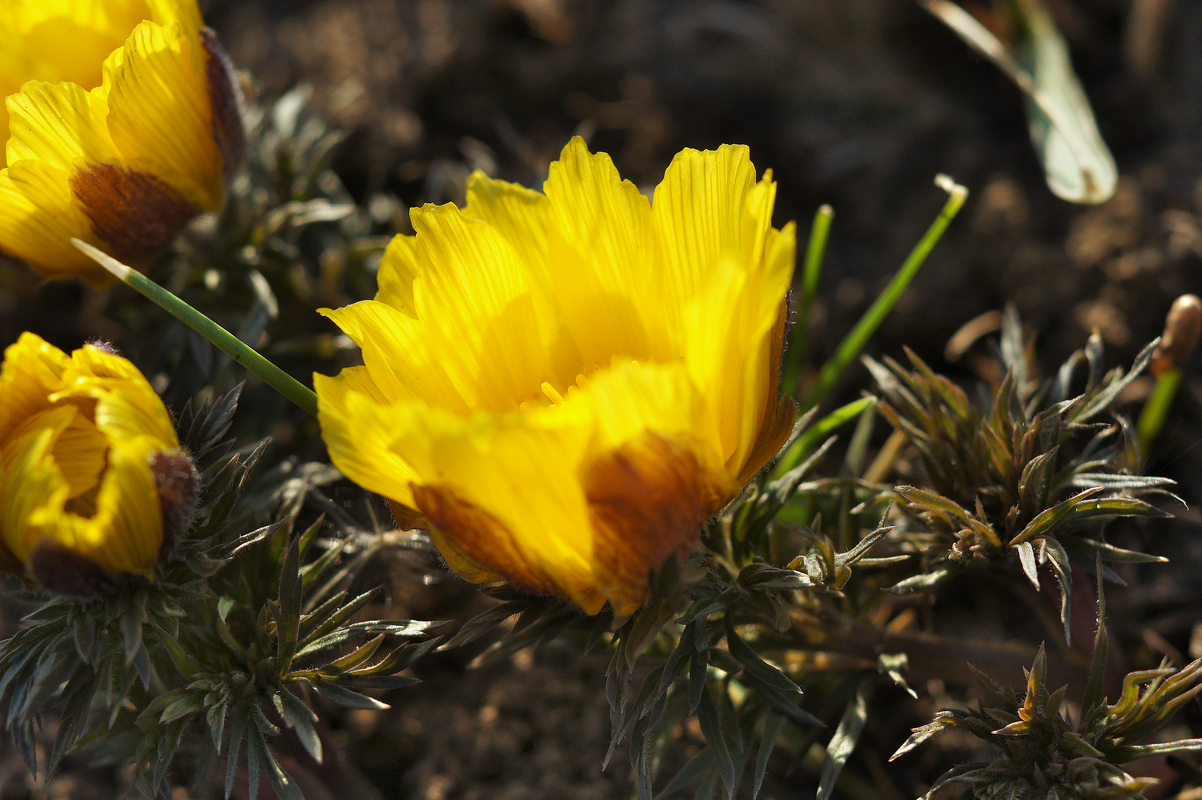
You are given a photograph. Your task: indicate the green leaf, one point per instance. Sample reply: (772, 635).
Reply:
(773, 724)
(844, 741)
(300, 718)
(712, 726)
(1026, 555)
(1076, 162)
(756, 666)
(1049, 518)
(346, 698)
(259, 754)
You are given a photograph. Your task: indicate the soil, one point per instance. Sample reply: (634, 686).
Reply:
(858, 104)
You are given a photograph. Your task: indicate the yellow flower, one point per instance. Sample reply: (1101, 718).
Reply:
(85, 444)
(566, 385)
(122, 123)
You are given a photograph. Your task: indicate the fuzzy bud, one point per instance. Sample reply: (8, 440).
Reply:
(178, 485)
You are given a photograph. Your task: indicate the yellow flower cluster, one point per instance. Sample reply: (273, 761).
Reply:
(561, 386)
(564, 385)
(122, 122)
(85, 444)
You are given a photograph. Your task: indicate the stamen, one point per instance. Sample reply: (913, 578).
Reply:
(552, 393)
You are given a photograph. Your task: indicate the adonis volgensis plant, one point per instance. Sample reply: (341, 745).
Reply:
(575, 397)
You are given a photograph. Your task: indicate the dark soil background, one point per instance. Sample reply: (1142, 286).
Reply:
(857, 103)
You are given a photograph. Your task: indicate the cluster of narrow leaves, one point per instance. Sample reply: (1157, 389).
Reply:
(1026, 469)
(223, 650)
(1044, 752)
(275, 636)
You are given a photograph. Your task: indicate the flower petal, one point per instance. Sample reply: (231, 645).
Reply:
(493, 331)
(38, 218)
(518, 214)
(398, 269)
(698, 211)
(56, 124)
(600, 257)
(32, 370)
(159, 113)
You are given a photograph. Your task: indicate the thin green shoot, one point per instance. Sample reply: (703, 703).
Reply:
(811, 270)
(1151, 419)
(851, 346)
(225, 341)
(816, 433)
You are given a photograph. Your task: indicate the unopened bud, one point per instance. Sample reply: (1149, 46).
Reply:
(1182, 327)
(178, 485)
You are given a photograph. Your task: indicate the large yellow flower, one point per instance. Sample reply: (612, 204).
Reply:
(122, 123)
(85, 445)
(566, 385)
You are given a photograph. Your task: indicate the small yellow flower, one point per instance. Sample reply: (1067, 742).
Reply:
(84, 441)
(122, 123)
(566, 385)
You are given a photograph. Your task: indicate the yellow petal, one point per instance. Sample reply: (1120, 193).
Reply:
(30, 481)
(124, 534)
(159, 114)
(38, 218)
(518, 214)
(698, 211)
(81, 452)
(32, 370)
(56, 124)
(358, 428)
(398, 269)
(729, 328)
(402, 359)
(600, 256)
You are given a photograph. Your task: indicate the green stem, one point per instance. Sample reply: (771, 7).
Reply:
(813, 436)
(1152, 418)
(225, 341)
(854, 342)
(815, 252)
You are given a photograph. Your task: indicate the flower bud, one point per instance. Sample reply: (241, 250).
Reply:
(1182, 327)
(93, 484)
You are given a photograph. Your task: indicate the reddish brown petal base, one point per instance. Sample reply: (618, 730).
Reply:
(481, 538)
(779, 412)
(647, 500)
(178, 485)
(66, 572)
(229, 131)
(133, 212)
